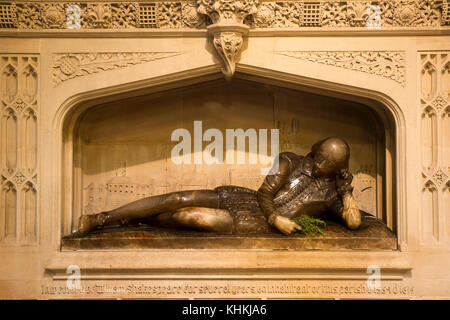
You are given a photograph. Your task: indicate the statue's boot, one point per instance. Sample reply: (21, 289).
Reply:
(88, 223)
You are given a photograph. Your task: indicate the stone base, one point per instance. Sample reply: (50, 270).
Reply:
(372, 235)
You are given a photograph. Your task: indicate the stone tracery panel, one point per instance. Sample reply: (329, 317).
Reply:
(18, 149)
(434, 104)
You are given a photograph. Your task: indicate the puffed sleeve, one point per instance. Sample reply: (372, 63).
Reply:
(271, 185)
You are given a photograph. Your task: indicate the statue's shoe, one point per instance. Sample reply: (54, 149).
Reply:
(88, 223)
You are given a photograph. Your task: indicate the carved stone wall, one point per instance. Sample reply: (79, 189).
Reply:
(19, 113)
(184, 15)
(435, 118)
(57, 61)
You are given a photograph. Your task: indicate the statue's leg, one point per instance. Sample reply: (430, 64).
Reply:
(204, 219)
(148, 207)
(164, 220)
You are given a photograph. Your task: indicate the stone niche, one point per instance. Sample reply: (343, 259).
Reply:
(119, 151)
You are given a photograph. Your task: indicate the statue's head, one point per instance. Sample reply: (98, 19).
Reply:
(331, 157)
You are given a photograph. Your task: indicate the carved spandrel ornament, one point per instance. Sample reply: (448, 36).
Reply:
(71, 65)
(387, 64)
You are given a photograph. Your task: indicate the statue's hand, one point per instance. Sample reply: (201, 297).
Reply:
(350, 213)
(285, 225)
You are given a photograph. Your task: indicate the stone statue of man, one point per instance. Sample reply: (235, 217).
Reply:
(314, 184)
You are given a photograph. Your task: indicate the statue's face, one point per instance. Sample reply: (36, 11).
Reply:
(323, 166)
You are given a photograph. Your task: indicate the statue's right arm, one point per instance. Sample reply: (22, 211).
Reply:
(272, 183)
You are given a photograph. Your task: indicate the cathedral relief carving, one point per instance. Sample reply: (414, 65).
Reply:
(117, 191)
(387, 64)
(71, 65)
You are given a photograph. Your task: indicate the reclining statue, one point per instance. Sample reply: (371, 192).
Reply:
(314, 185)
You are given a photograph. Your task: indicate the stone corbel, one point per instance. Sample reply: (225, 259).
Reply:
(228, 30)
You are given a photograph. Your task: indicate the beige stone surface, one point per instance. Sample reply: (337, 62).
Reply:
(119, 77)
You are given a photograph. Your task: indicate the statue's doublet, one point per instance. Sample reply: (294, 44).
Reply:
(300, 193)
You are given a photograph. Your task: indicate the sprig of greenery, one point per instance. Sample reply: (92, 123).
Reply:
(310, 225)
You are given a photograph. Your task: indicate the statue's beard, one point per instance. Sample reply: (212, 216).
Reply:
(317, 172)
(320, 174)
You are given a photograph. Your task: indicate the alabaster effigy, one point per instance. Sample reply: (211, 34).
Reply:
(311, 185)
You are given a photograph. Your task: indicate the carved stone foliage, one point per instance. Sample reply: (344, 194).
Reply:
(228, 45)
(71, 65)
(387, 64)
(231, 11)
(335, 14)
(191, 18)
(92, 15)
(19, 113)
(228, 28)
(410, 13)
(194, 15)
(170, 15)
(278, 15)
(435, 131)
(358, 13)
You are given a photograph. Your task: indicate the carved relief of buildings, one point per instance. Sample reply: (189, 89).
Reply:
(365, 188)
(116, 192)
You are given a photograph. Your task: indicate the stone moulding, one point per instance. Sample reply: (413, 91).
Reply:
(182, 15)
(290, 265)
(387, 64)
(71, 65)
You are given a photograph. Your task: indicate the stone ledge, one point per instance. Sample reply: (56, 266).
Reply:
(216, 262)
